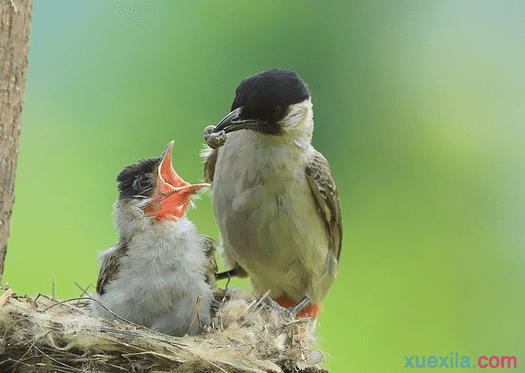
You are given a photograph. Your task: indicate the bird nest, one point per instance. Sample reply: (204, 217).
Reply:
(44, 334)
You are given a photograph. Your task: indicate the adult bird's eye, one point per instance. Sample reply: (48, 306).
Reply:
(274, 113)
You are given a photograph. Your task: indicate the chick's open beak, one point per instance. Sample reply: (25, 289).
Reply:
(172, 194)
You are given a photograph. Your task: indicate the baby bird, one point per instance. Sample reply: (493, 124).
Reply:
(156, 272)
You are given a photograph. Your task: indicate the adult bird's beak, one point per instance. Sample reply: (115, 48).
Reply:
(172, 194)
(233, 122)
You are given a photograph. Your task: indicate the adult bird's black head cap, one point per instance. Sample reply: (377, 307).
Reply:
(261, 101)
(139, 178)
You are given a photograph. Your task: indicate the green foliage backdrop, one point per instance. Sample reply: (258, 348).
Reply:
(419, 107)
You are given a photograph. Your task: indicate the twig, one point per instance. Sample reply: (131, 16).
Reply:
(57, 361)
(156, 335)
(6, 295)
(145, 352)
(115, 366)
(256, 302)
(12, 326)
(302, 320)
(30, 347)
(217, 366)
(94, 300)
(195, 314)
(16, 362)
(84, 291)
(153, 353)
(45, 296)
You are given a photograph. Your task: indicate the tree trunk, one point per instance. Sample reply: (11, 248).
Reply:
(15, 26)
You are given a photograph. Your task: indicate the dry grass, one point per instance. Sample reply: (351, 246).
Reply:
(43, 334)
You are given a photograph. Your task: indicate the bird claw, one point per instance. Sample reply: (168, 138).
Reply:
(293, 311)
(214, 306)
(214, 139)
(288, 313)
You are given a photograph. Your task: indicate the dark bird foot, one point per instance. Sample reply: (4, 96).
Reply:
(235, 272)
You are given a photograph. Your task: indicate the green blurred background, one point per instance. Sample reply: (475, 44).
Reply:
(419, 107)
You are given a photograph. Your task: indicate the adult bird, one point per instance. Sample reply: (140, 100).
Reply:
(274, 196)
(156, 272)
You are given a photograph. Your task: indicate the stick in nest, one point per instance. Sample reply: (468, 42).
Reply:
(195, 314)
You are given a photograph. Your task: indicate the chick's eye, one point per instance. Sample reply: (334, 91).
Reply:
(145, 182)
(141, 183)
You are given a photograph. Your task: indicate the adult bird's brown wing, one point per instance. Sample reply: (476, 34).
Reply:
(325, 194)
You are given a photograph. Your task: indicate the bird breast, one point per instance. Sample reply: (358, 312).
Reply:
(268, 219)
(160, 278)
